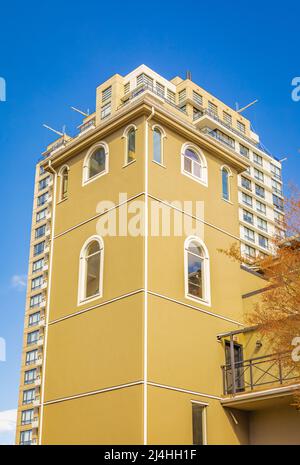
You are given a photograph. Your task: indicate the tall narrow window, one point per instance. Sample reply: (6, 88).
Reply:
(131, 145)
(64, 183)
(91, 269)
(199, 433)
(157, 145)
(225, 183)
(197, 270)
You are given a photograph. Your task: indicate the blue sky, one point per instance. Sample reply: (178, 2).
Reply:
(53, 55)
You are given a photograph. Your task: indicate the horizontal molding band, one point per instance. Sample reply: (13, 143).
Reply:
(164, 202)
(156, 294)
(127, 385)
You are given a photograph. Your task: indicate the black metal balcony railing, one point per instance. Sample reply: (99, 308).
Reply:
(258, 372)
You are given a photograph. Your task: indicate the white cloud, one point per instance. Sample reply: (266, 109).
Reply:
(19, 281)
(8, 420)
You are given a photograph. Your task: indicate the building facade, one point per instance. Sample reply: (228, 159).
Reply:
(135, 319)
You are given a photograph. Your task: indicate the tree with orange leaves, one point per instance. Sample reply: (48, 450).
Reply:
(277, 313)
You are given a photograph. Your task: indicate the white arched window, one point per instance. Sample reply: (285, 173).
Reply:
(193, 163)
(130, 143)
(158, 144)
(96, 162)
(225, 173)
(91, 269)
(197, 273)
(64, 182)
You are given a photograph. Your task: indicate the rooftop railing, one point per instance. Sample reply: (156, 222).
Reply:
(154, 90)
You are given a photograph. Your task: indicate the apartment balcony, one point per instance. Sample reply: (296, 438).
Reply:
(45, 267)
(40, 341)
(83, 128)
(258, 381)
(49, 200)
(37, 381)
(43, 304)
(35, 423)
(42, 323)
(47, 249)
(143, 88)
(39, 361)
(48, 232)
(208, 122)
(44, 285)
(37, 401)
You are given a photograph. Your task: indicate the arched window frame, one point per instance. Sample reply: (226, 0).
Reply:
(85, 171)
(202, 160)
(206, 300)
(61, 176)
(83, 268)
(163, 136)
(125, 137)
(229, 172)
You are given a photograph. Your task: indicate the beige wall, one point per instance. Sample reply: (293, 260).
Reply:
(113, 417)
(279, 425)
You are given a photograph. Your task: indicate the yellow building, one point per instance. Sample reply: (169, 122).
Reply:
(134, 318)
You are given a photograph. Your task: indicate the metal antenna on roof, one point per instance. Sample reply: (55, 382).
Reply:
(245, 107)
(81, 112)
(54, 130)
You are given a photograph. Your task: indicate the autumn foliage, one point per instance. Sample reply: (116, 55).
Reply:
(277, 314)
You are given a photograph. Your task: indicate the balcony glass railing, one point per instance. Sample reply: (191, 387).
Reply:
(219, 136)
(234, 131)
(147, 87)
(255, 373)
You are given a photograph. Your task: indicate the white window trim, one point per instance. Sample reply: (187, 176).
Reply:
(229, 182)
(60, 173)
(125, 136)
(81, 300)
(204, 419)
(204, 179)
(85, 169)
(163, 137)
(207, 300)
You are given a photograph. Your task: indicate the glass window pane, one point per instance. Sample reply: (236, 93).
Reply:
(195, 272)
(131, 145)
(225, 184)
(198, 436)
(187, 164)
(93, 275)
(157, 145)
(97, 162)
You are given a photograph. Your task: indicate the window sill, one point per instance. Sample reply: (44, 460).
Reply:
(159, 164)
(194, 178)
(89, 299)
(62, 200)
(129, 163)
(97, 176)
(227, 201)
(207, 303)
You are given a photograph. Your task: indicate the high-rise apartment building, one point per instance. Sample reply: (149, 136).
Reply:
(135, 333)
